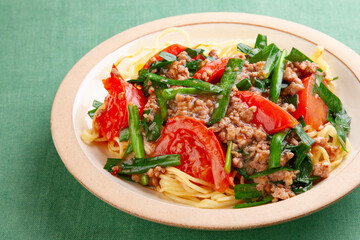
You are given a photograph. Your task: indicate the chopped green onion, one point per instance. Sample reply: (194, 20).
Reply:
(112, 162)
(275, 149)
(341, 123)
(233, 68)
(330, 99)
(301, 151)
(261, 41)
(244, 48)
(91, 113)
(170, 93)
(260, 84)
(144, 121)
(305, 169)
(318, 79)
(162, 102)
(276, 79)
(124, 135)
(243, 85)
(167, 56)
(157, 64)
(245, 191)
(265, 200)
(195, 83)
(292, 100)
(302, 121)
(135, 131)
(242, 172)
(193, 52)
(228, 158)
(303, 135)
(270, 54)
(299, 189)
(314, 178)
(129, 149)
(337, 115)
(96, 104)
(140, 79)
(193, 66)
(143, 165)
(154, 128)
(296, 56)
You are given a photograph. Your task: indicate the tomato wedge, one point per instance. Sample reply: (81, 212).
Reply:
(201, 152)
(174, 49)
(214, 70)
(272, 117)
(113, 117)
(311, 107)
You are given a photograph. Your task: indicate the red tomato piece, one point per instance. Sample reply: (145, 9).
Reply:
(272, 117)
(113, 117)
(174, 49)
(311, 107)
(200, 150)
(214, 70)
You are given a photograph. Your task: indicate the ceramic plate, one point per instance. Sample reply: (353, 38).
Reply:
(83, 84)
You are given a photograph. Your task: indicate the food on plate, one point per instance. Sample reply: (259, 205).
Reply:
(222, 125)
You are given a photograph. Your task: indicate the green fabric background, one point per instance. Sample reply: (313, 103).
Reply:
(40, 42)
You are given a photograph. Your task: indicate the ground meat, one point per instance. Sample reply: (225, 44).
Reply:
(203, 63)
(152, 105)
(286, 176)
(320, 141)
(252, 70)
(285, 157)
(236, 159)
(213, 53)
(184, 56)
(295, 83)
(236, 125)
(155, 172)
(249, 138)
(293, 89)
(196, 106)
(290, 75)
(293, 141)
(332, 150)
(294, 72)
(322, 169)
(240, 56)
(288, 107)
(280, 191)
(262, 183)
(304, 68)
(261, 158)
(178, 71)
(136, 177)
(151, 60)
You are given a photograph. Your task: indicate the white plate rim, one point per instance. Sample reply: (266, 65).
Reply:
(68, 148)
